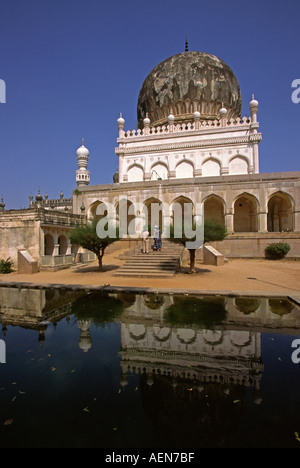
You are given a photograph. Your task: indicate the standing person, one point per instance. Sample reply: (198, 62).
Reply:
(145, 237)
(156, 237)
(159, 242)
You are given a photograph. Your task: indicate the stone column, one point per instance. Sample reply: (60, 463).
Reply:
(56, 250)
(229, 222)
(263, 221)
(121, 167)
(297, 221)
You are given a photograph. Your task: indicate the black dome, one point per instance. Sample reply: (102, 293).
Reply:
(189, 82)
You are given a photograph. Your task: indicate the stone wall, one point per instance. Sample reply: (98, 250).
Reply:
(19, 229)
(253, 245)
(25, 230)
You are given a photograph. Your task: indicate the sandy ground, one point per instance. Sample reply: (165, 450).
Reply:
(252, 276)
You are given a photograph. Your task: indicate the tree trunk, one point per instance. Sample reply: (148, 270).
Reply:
(100, 262)
(192, 260)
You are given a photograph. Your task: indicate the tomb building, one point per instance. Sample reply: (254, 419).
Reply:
(191, 147)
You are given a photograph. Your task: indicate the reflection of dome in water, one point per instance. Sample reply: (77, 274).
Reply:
(186, 83)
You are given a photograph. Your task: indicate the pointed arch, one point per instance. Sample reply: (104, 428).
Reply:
(180, 207)
(159, 170)
(280, 212)
(152, 210)
(135, 173)
(238, 164)
(49, 244)
(63, 244)
(98, 209)
(125, 215)
(214, 208)
(211, 167)
(184, 169)
(246, 208)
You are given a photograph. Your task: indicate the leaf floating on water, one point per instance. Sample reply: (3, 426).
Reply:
(86, 410)
(14, 398)
(22, 393)
(136, 389)
(72, 371)
(53, 369)
(236, 401)
(115, 429)
(8, 422)
(297, 436)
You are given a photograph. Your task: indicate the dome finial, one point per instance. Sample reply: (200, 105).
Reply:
(82, 141)
(186, 44)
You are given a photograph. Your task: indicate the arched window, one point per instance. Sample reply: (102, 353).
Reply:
(185, 170)
(159, 171)
(135, 173)
(211, 168)
(238, 165)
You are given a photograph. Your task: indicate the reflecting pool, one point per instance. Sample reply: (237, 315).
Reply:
(121, 370)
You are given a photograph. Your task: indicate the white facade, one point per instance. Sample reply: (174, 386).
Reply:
(198, 149)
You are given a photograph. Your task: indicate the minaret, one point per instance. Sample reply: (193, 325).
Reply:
(82, 174)
(253, 105)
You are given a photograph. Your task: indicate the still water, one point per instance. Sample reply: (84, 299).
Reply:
(114, 370)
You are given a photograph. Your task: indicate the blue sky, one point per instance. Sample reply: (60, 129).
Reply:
(72, 66)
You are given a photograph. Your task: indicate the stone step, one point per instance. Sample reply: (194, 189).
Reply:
(152, 265)
(147, 274)
(165, 267)
(154, 260)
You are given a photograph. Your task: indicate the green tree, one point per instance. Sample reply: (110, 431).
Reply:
(213, 231)
(86, 236)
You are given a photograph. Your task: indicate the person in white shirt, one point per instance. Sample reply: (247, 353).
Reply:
(145, 237)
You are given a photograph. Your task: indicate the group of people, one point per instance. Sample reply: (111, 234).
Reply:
(157, 239)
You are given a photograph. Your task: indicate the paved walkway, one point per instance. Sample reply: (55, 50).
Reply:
(251, 277)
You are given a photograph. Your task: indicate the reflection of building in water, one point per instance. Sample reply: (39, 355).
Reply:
(85, 340)
(35, 308)
(193, 355)
(229, 352)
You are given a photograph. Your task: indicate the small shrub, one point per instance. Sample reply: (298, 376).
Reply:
(277, 251)
(6, 266)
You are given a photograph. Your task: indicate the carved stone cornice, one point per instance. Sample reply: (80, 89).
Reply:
(231, 141)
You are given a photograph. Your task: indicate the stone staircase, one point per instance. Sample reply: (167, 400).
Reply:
(162, 264)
